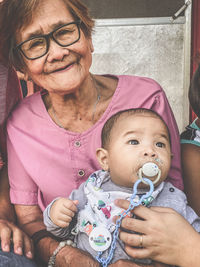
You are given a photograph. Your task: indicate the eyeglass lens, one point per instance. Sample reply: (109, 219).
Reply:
(38, 46)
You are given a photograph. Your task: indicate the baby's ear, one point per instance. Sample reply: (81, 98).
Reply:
(102, 157)
(172, 155)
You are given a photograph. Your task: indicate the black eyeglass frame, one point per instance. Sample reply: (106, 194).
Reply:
(47, 37)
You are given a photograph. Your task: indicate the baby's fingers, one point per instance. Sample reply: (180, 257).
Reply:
(75, 202)
(71, 205)
(63, 223)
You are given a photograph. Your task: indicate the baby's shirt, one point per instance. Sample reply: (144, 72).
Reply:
(96, 208)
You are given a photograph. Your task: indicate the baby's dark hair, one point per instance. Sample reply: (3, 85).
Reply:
(194, 92)
(108, 126)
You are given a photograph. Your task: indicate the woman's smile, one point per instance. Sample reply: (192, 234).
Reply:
(63, 68)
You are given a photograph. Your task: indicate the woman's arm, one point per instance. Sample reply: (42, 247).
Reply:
(8, 229)
(6, 208)
(167, 236)
(191, 174)
(31, 220)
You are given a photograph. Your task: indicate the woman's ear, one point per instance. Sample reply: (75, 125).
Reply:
(26, 76)
(102, 157)
(91, 46)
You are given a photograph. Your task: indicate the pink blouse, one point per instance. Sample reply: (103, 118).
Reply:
(46, 161)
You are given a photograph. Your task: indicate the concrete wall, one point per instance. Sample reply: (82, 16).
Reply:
(156, 51)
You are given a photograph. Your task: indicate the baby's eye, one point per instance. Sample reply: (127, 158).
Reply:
(133, 142)
(160, 144)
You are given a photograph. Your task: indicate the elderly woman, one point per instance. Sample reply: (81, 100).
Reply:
(53, 134)
(9, 95)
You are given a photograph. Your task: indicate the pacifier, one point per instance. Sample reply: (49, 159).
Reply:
(149, 169)
(100, 238)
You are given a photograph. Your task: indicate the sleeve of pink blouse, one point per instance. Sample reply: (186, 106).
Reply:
(22, 188)
(162, 107)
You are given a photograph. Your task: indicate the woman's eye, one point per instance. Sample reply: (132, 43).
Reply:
(36, 43)
(160, 144)
(62, 32)
(133, 142)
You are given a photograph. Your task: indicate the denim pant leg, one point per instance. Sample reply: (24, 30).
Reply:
(10, 259)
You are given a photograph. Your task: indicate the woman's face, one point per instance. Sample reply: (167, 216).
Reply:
(63, 69)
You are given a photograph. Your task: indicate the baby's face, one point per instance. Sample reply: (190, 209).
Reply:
(135, 140)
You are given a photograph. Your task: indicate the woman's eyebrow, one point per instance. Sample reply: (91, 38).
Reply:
(39, 32)
(33, 34)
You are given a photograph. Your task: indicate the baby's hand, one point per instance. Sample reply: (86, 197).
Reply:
(62, 211)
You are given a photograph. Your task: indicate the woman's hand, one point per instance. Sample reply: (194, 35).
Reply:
(74, 257)
(9, 233)
(8, 230)
(167, 236)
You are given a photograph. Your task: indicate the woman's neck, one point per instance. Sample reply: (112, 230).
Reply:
(79, 111)
(81, 97)
(77, 108)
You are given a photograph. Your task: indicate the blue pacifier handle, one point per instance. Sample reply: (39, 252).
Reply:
(105, 261)
(146, 195)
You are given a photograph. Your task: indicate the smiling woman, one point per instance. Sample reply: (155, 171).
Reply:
(53, 134)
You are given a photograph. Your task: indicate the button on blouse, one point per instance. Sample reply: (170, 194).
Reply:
(77, 143)
(81, 173)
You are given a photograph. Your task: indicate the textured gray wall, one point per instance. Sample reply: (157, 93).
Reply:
(155, 51)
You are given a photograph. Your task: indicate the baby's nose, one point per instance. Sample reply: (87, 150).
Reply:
(149, 153)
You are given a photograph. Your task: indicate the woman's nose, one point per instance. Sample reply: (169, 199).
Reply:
(56, 52)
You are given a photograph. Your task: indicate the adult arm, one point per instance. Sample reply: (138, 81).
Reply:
(167, 236)
(10, 95)
(8, 229)
(122, 263)
(191, 174)
(31, 220)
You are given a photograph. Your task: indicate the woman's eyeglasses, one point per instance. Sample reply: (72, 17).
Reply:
(38, 46)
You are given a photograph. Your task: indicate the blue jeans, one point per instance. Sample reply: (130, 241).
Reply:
(10, 259)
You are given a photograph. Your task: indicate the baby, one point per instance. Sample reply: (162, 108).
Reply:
(135, 144)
